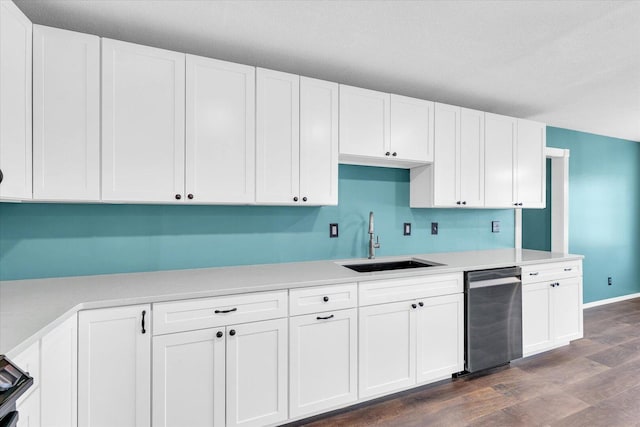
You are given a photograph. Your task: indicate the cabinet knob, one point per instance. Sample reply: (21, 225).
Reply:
(414, 306)
(178, 197)
(557, 284)
(520, 204)
(464, 202)
(394, 154)
(232, 332)
(325, 299)
(295, 199)
(304, 199)
(387, 153)
(515, 204)
(189, 196)
(458, 202)
(421, 304)
(219, 334)
(1, 176)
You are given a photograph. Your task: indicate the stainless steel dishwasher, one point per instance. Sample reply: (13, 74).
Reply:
(493, 318)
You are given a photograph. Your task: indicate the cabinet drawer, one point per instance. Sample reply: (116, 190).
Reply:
(178, 316)
(550, 271)
(383, 291)
(322, 298)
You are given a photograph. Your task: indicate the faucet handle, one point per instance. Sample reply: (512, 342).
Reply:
(377, 244)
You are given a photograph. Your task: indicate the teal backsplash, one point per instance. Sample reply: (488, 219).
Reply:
(54, 240)
(604, 211)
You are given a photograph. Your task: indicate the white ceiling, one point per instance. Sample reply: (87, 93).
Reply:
(572, 64)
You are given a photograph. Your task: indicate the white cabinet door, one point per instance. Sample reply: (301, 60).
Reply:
(277, 137)
(440, 337)
(411, 130)
(257, 366)
(387, 348)
(220, 131)
(537, 332)
(446, 166)
(189, 379)
(499, 166)
(566, 304)
(318, 142)
(364, 123)
(143, 106)
(323, 358)
(66, 115)
(15, 103)
(531, 164)
(471, 158)
(114, 367)
(29, 410)
(59, 380)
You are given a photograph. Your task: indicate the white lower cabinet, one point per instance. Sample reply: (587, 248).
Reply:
(28, 405)
(234, 375)
(114, 367)
(440, 337)
(59, 375)
(52, 362)
(29, 410)
(387, 357)
(551, 314)
(257, 365)
(189, 378)
(410, 342)
(323, 361)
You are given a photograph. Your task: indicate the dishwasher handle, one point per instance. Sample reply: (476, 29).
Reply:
(494, 282)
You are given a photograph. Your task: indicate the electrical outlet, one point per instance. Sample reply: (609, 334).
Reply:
(434, 228)
(407, 229)
(609, 281)
(333, 230)
(495, 226)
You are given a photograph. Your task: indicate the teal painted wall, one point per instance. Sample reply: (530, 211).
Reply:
(54, 240)
(604, 211)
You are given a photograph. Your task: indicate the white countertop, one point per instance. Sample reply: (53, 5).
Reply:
(30, 308)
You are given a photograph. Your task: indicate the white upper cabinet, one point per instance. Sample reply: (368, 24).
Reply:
(456, 177)
(15, 103)
(220, 132)
(66, 115)
(297, 140)
(364, 124)
(471, 159)
(380, 129)
(278, 137)
(514, 162)
(143, 109)
(500, 137)
(318, 142)
(531, 164)
(411, 129)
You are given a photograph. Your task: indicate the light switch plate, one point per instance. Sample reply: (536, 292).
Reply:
(407, 229)
(333, 230)
(434, 228)
(495, 226)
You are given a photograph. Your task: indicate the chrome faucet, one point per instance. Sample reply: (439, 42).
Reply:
(372, 245)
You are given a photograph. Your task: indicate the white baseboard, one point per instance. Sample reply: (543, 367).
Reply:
(610, 300)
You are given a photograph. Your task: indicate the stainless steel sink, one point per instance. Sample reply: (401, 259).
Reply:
(389, 265)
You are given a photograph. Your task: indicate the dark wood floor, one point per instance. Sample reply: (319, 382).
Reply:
(594, 381)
